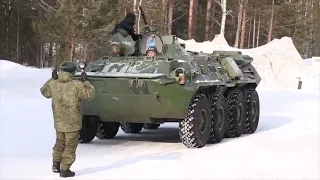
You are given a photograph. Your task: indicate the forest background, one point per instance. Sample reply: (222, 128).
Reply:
(43, 33)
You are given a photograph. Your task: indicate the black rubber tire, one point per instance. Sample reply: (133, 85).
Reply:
(132, 128)
(151, 126)
(219, 117)
(89, 128)
(252, 112)
(189, 129)
(236, 104)
(107, 130)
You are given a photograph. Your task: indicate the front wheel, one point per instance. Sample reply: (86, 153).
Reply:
(196, 127)
(89, 128)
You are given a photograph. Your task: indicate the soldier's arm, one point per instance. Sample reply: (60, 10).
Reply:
(87, 91)
(46, 89)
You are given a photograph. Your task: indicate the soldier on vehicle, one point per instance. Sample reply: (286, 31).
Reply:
(127, 24)
(66, 92)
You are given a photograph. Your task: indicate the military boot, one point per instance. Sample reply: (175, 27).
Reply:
(66, 173)
(56, 167)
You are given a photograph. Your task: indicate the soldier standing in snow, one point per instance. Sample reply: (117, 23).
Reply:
(66, 93)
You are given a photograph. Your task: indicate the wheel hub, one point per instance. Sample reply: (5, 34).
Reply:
(203, 120)
(220, 118)
(239, 113)
(253, 111)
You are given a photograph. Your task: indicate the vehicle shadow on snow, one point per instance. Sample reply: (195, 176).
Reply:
(266, 123)
(162, 134)
(171, 134)
(130, 161)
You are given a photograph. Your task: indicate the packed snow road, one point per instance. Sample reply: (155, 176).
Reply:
(285, 146)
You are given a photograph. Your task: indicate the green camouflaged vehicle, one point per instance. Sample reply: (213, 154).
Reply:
(155, 80)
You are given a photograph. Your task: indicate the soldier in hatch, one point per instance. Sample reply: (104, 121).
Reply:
(66, 92)
(127, 24)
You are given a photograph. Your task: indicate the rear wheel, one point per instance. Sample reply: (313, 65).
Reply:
(131, 127)
(89, 128)
(151, 126)
(219, 120)
(236, 112)
(196, 127)
(107, 130)
(252, 112)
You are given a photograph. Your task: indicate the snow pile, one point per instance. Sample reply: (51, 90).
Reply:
(286, 137)
(24, 77)
(9, 66)
(278, 62)
(310, 81)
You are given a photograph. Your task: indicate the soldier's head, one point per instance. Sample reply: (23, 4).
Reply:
(130, 18)
(68, 66)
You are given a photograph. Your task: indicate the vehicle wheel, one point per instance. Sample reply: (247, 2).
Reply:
(196, 127)
(89, 128)
(236, 113)
(252, 112)
(151, 126)
(219, 121)
(131, 127)
(107, 130)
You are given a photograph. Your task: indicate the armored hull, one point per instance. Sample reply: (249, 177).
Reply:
(211, 96)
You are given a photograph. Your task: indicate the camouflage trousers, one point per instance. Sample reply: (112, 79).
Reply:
(64, 150)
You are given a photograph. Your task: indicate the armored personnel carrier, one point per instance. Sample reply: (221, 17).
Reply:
(155, 80)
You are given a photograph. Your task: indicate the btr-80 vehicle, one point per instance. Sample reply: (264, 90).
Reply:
(155, 80)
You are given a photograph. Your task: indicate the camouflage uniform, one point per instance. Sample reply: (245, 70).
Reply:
(66, 93)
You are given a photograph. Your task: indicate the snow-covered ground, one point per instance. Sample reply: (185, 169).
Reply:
(285, 146)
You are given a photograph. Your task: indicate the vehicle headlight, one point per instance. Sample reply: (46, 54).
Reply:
(82, 64)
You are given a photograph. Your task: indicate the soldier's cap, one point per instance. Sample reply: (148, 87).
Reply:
(68, 66)
(152, 48)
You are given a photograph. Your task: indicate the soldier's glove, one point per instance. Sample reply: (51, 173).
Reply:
(84, 76)
(54, 74)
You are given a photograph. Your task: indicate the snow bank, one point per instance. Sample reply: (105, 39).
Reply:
(312, 80)
(21, 79)
(9, 66)
(278, 62)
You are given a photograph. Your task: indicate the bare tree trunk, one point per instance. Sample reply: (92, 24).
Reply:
(192, 7)
(170, 16)
(258, 32)
(271, 22)
(40, 65)
(224, 16)
(139, 17)
(18, 35)
(165, 16)
(254, 30)
(249, 34)
(50, 55)
(134, 8)
(212, 22)
(207, 33)
(72, 43)
(243, 28)
(240, 15)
